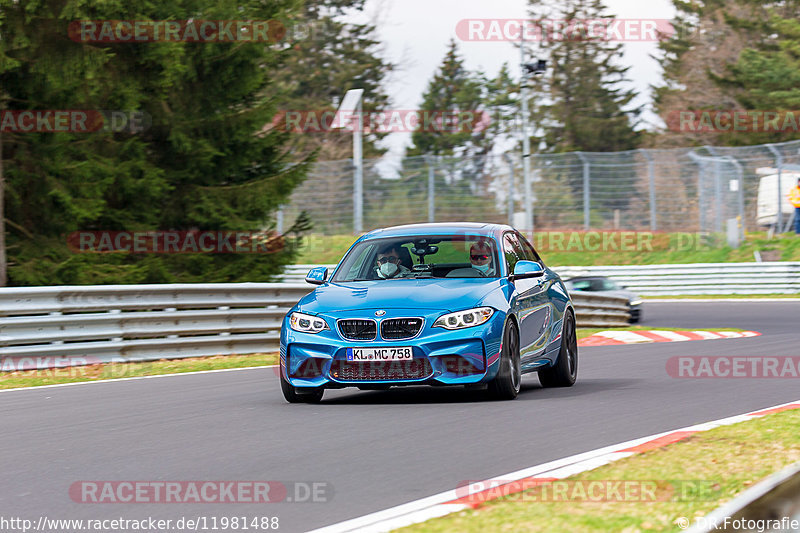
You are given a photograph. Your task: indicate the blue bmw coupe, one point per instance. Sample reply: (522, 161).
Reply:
(431, 304)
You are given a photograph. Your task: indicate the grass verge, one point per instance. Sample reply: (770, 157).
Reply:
(76, 374)
(723, 461)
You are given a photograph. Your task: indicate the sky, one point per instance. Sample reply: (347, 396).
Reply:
(415, 34)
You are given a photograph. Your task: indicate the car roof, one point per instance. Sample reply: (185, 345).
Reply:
(439, 228)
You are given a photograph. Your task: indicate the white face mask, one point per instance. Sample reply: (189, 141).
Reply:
(387, 270)
(482, 268)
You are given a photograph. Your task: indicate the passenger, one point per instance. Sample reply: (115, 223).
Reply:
(480, 255)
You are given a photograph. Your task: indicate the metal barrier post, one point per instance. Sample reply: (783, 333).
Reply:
(431, 189)
(651, 175)
(779, 162)
(586, 204)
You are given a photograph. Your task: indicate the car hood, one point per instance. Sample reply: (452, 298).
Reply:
(442, 294)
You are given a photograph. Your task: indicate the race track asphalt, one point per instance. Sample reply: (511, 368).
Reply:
(373, 449)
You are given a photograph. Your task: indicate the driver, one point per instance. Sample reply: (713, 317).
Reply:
(388, 263)
(480, 255)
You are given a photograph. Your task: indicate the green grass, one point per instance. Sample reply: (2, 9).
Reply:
(582, 333)
(722, 462)
(56, 376)
(645, 249)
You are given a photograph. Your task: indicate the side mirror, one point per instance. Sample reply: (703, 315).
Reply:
(317, 276)
(526, 269)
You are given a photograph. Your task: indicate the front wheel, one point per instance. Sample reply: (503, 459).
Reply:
(509, 378)
(294, 394)
(565, 370)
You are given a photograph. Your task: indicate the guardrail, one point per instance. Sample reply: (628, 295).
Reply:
(701, 278)
(674, 280)
(769, 506)
(45, 327)
(60, 326)
(600, 311)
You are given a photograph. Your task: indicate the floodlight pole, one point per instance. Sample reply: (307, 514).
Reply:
(351, 104)
(526, 142)
(358, 176)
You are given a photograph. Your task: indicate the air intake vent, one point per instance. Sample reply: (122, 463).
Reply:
(400, 328)
(358, 329)
(381, 371)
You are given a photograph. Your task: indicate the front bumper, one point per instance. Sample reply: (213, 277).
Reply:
(440, 356)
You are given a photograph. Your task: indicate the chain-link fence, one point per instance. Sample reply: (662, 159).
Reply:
(684, 189)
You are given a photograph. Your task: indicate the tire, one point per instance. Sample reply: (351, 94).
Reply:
(294, 394)
(506, 385)
(565, 370)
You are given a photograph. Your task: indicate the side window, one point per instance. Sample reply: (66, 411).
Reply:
(530, 253)
(512, 251)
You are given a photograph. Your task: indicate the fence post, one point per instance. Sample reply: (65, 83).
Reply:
(358, 175)
(651, 176)
(740, 176)
(717, 191)
(779, 211)
(431, 188)
(510, 162)
(586, 204)
(700, 196)
(279, 220)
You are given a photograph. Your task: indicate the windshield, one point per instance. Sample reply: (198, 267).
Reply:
(422, 256)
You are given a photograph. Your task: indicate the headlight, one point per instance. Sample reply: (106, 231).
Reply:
(636, 302)
(464, 319)
(307, 323)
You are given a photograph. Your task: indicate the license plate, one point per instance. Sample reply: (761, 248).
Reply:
(402, 353)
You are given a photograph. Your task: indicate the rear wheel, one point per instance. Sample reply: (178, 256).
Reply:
(507, 383)
(300, 394)
(565, 370)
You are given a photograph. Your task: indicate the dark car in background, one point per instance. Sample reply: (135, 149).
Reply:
(604, 285)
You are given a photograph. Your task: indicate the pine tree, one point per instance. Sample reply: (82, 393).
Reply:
(581, 103)
(586, 104)
(328, 56)
(453, 89)
(502, 103)
(766, 78)
(708, 37)
(200, 165)
(457, 139)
